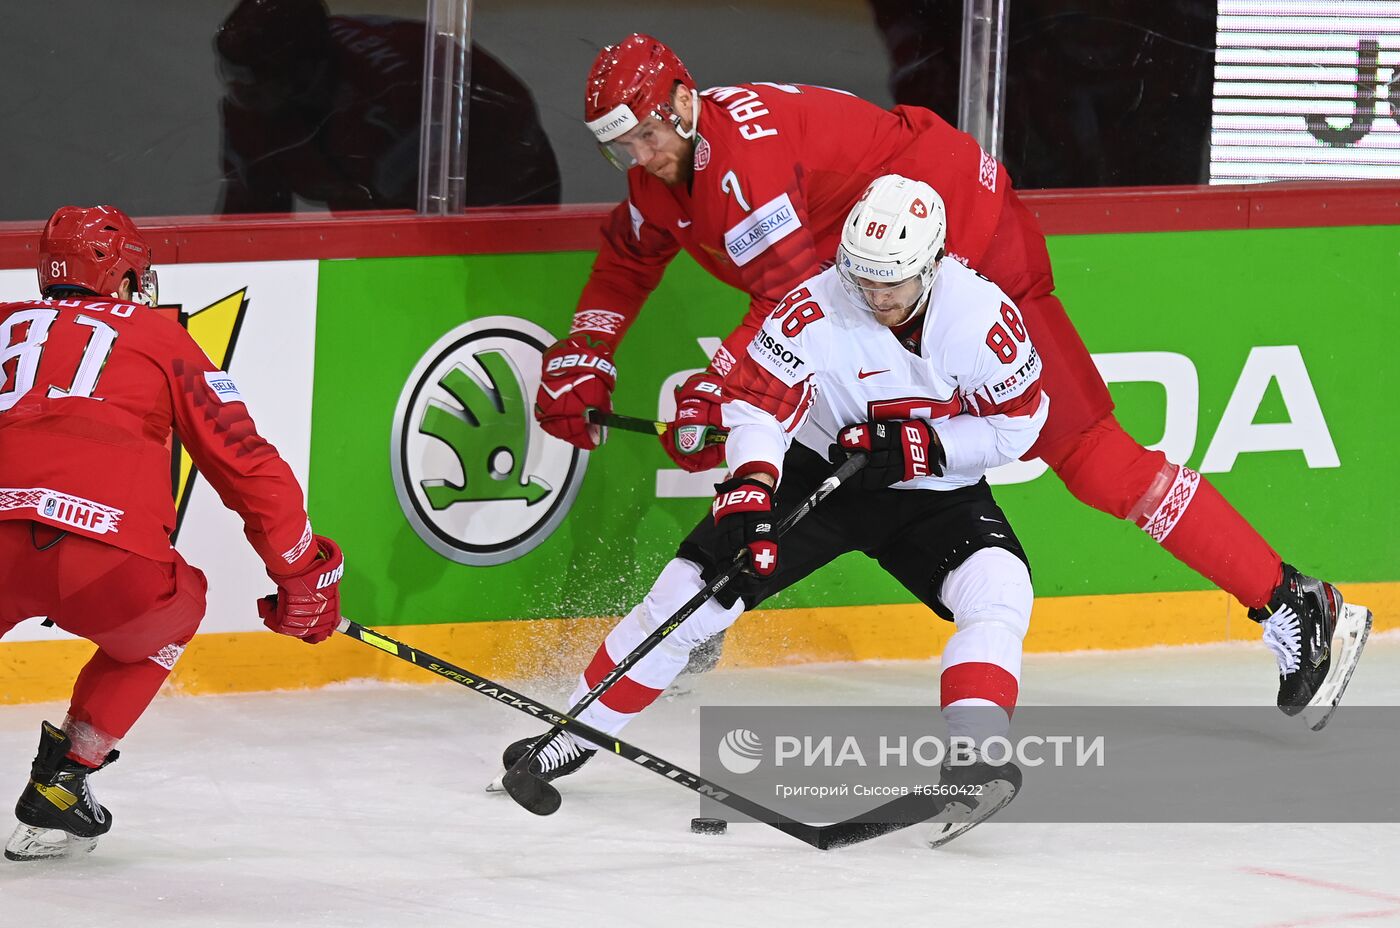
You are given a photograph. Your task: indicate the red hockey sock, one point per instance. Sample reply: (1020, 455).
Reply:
(1104, 467)
(110, 696)
(1203, 531)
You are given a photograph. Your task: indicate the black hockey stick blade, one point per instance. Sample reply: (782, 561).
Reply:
(538, 796)
(531, 793)
(917, 807)
(896, 815)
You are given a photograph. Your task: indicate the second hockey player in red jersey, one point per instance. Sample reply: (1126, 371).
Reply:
(92, 384)
(753, 182)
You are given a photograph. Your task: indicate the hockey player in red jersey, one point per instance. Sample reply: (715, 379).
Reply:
(753, 182)
(924, 365)
(92, 383)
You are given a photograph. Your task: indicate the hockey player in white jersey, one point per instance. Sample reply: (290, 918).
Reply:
(925, 365)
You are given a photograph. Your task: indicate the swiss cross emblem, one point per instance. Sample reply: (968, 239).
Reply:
(765, 557)
(918, 208)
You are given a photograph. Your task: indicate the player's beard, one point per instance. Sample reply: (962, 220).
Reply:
(676, 169)
(894, 318)
(897, 316)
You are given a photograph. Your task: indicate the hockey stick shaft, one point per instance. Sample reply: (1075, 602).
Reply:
(645, 426)
(500, 693)
(844, 472)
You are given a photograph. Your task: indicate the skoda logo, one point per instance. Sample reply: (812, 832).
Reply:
(476, 477)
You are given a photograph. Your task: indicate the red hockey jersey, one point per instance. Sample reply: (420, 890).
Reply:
(90, 390)
(777, 167)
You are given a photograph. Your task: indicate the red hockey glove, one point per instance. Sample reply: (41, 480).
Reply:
(900, 449)
(577, 374)
(697, 417)
(307, 605)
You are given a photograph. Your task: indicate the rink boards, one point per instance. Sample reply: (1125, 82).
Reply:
(1260, 356)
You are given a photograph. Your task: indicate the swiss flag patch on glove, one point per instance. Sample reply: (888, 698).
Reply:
(899, 449)
(743, 514)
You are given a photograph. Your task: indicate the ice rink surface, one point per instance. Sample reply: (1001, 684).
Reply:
(362, 805)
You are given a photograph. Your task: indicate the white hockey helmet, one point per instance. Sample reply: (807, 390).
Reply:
(893, 234)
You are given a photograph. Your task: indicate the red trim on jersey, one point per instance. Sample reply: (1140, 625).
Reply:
(751, 382)
(913, 407)
(757, 467)
(625, 695)
(1027, 404)
(979, 680)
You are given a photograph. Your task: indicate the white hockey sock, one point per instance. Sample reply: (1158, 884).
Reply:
(678, 582)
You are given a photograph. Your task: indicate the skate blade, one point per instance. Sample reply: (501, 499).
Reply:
(496, 786)
(1347, 643)
(31, 843)
(957, 818)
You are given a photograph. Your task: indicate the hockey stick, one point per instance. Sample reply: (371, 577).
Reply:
(645, 426)
(808, 834)
(540, 797)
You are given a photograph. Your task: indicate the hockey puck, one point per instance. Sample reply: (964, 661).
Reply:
(709, 826)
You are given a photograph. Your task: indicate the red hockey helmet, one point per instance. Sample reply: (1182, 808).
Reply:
(631, 82)
(95, 248)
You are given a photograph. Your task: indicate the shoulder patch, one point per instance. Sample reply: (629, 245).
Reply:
(223, 386)
(987, 171)
(760, 230)
(1018, 382)
(776, 355)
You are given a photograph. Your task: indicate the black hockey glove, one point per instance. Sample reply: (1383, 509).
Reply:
(743, 514)
(899, 449)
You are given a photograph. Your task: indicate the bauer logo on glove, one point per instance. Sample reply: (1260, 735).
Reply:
(580, 361)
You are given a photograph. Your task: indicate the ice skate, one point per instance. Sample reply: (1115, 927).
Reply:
(57, 812)
(1317, 639)
(561, 757)
(976, 792)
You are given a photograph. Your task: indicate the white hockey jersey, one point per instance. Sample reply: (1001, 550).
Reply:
(821, 362)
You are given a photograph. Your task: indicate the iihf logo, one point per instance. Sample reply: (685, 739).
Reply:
(740, 751)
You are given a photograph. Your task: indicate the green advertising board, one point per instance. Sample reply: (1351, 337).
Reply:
(1260, 357)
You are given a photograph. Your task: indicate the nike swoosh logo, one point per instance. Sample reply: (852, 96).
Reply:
(861, 375)
(683, 223)
(985, 519)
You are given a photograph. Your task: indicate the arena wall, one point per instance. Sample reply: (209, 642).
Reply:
(1246, 331)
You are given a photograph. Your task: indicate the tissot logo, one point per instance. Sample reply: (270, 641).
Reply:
(476, 477)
